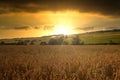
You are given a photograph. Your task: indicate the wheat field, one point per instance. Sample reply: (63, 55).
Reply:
(86, 62)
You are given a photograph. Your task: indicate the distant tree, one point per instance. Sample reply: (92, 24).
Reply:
(82, 43)
(65, 43)
(76, 40)
(2, 42)
(52, 41)
(111, 42)
(20, 42)
(32, 42)
(60, 40)
(43, 43)
(56, 41)
(26, 42)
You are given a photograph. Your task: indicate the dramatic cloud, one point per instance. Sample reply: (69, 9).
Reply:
(22, 28)
(48, 27)
(42, 27)
(105, 7)
(16, 28)
(36, 27)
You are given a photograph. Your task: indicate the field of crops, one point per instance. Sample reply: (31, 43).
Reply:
(85, 62)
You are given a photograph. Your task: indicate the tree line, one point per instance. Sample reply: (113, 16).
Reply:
(55, 41)
(52, 41)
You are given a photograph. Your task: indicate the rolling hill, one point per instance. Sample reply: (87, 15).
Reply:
(98, 37)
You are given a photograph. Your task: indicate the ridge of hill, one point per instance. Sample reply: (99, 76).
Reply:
(97, 37)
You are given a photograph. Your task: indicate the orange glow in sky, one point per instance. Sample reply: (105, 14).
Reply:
(47, 23)
(63, 29)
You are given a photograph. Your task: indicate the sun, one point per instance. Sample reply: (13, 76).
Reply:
(63, 29)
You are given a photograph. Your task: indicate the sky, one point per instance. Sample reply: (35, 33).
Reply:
(35, 18)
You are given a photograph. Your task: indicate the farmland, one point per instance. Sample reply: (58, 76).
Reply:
(95, 38)
(100, 37)
(60, 62)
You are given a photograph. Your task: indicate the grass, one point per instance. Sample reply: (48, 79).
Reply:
(60, 62)
(87, 38)
(97, 38)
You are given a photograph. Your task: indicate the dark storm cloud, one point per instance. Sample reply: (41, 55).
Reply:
(36, 27)
(42, 27)
(106, 7)
(16, 28)
(22, 28)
